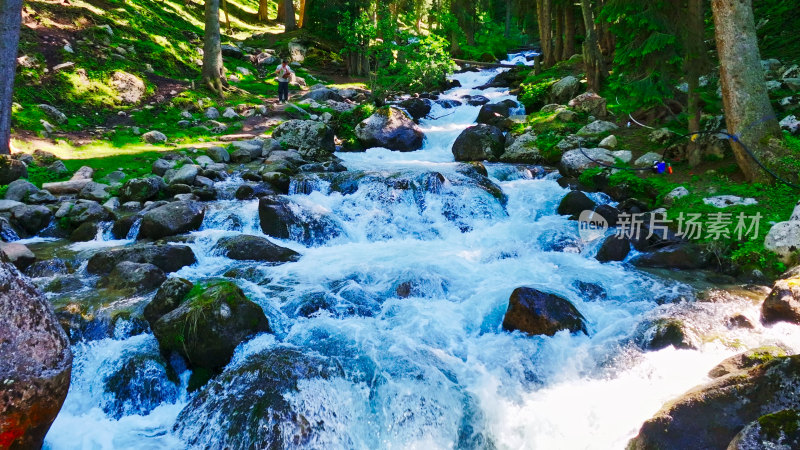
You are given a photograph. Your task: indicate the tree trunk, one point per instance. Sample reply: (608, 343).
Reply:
(281, 16)
(508, 19)
(10, 20)
(263, 10)
(544, 8)
(592, 59)
(569, 32)
(227, 16)
(558, 50)
(695, 53)
(213, 69)
(290, 24)
(748, 113)
(302, 19)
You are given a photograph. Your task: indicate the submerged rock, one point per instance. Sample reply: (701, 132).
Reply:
(220, 317)
(36, 362)
(534, 312)
(248, 405)
(282, 219)
(710, 416)
(143, 382)
(664, 332)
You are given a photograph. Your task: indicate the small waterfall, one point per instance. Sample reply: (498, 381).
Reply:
(134, 230)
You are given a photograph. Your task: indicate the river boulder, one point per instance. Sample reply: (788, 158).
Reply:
(31, 218)
(535, 312)
(221, 317)
(282, 219)
(254, 248)
(746, 360)
(780, 430)
(522, 150)
(663, 332)
(166, 257)
(496, 114)
(313, 139)
(11, 169)
(172, 219)
(133, 277)
(683, 255)
(169, 296)
(248, 405)
(479, 143)
(417, 108)
(141, 189)
(391, 128)
(17, 254)
(36, 362)
(710, 416)
(783, 302)
(574, 203)
(614, 248)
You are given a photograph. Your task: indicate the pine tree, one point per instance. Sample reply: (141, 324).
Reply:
(10, 20)
(213, 70)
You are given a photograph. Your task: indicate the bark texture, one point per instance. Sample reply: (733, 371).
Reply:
(10, 19)
(290, 24)
(592, 57)
(213, 69)
(748, 113)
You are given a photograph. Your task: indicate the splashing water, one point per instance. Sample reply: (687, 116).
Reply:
(416, 281)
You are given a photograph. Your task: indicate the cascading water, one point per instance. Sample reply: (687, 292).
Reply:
(412, 277)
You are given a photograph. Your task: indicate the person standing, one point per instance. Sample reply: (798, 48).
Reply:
(284, 75)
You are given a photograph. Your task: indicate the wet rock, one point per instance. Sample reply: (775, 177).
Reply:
(684, 256)
(496, 114)
(279, 219)
(662, 333)
(17, 254)
(417, 108)
(478, 143)
(141, 189)
(143, 382)
(247, 402)
(783, 302)
(249, 192)
(391, 128)
(221, 317)
(313, 139)
(574, 203)
(779, 430)
(167, 257)
(254, 248)
(133, 277)
(614, 248)
(48, 268)
(534, 312)
(11, 170)
(31, 219)
(170, 294)
(171, 219)
(85, 232)
(476, 100)
(711, 415)
(36, 362)
(241, 156)
(84, 211)
(746, 360)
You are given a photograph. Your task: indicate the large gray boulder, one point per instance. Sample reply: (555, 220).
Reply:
(783, 302)
(522, 150)
(391, 128)
(479, 143)
(166, 257)
(710, 416)
(564, 89)
(172, 219)
(36, 362)
(784, 239)
(31, 218)
(313, 139)
(597, 128)
(133, 277)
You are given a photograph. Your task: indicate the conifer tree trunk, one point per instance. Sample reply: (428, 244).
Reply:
(695, 55)
(508, 19)
(10, 20)
(263, 10)
(302, 15)
(558, 49)
(544, 9)
(281, 16)
(569, 32)
(592, 58)
(289, 19)
(213, 70)
(748, 113)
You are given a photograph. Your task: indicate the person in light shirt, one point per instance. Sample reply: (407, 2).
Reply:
(284, 75)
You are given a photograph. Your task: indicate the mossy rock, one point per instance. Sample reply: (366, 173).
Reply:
(745, 360)
(207, 326)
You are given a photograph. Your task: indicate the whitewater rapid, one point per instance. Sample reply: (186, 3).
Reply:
(444, 363)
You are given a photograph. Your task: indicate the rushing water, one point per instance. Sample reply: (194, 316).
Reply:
(449, 376)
